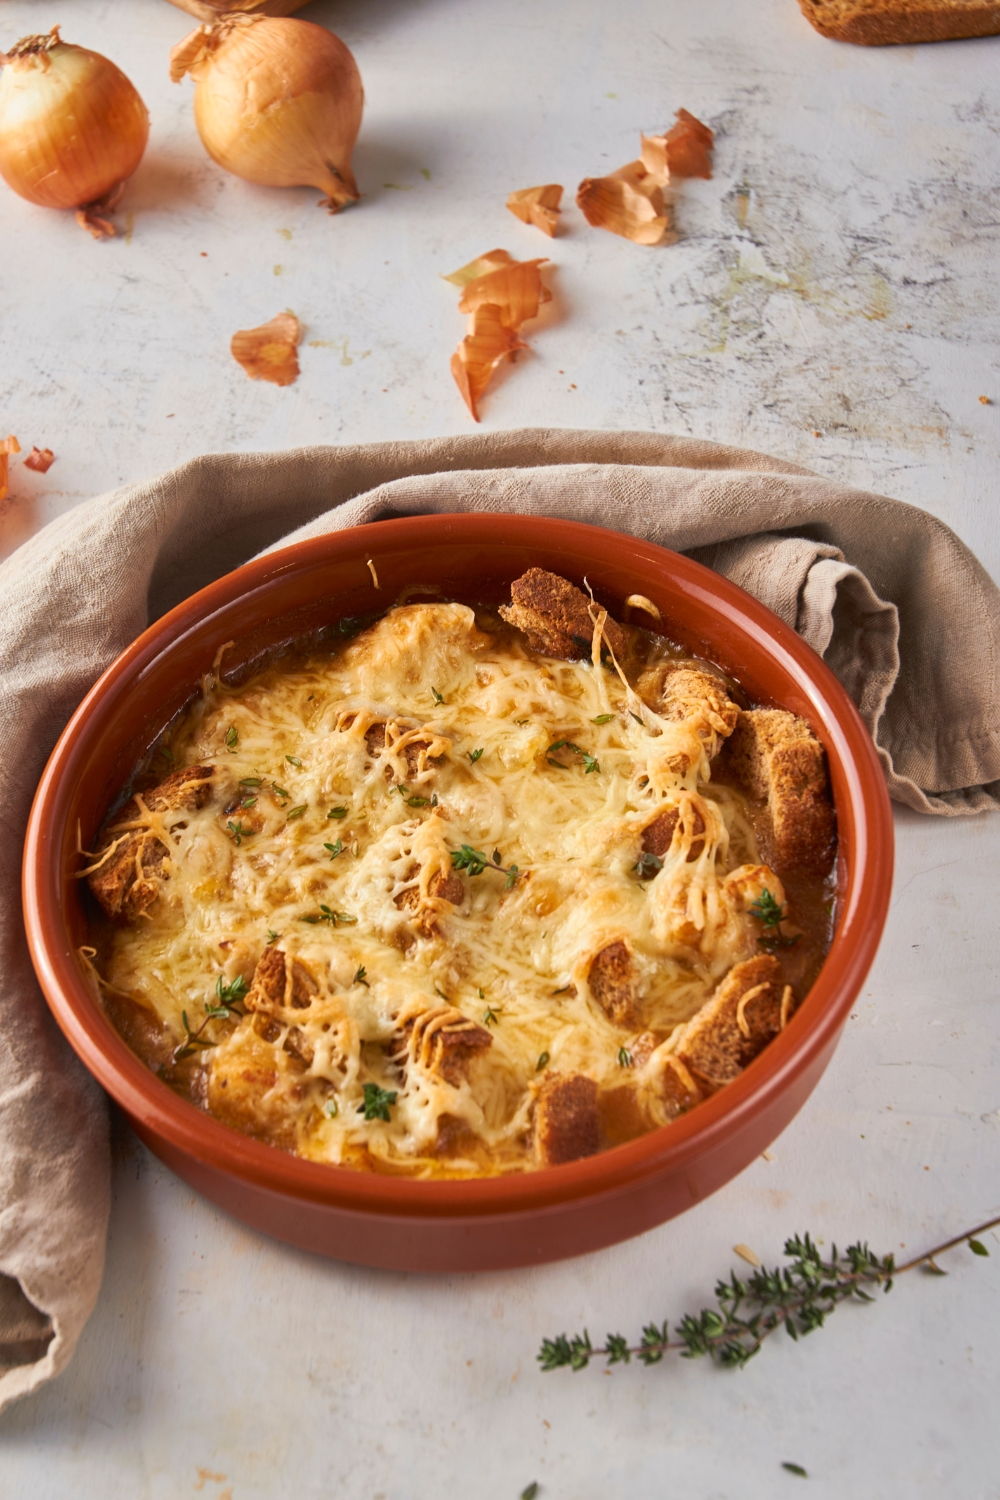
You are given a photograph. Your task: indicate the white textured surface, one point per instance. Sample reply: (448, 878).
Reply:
(837, 275)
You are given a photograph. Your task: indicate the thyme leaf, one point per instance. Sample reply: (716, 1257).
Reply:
(438, 698)
(232, 738)
(337, 812)
(238, 832)
(648, 865)
(280, 790)
(296, 812)
(602, 719)
(624, 1057)
(491, 1016)
(543, 1061)
(798, 1296)
(474, 862)
(359, 977)
(293, 760)
(376, 1102)
(795, 1469)
(475, 754)
(335, 849)
(590, 762)
(767, 910)
(335, 918)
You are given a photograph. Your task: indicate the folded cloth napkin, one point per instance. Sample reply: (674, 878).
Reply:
(899, 608)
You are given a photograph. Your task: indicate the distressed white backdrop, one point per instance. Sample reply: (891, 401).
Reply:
(831, 298)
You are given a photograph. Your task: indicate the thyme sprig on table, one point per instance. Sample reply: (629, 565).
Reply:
(799, 1297)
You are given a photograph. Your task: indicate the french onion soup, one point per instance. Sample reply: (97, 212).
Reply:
(462, 891)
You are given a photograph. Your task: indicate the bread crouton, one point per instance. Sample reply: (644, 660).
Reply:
(444, 1041)
(658, 835)
(677, 691)
(555, 616)
(243, 1088)
(776, 757)
(735, 1024)
(270, 989)
(678, 1090)
(566, 1120)
(129, 880)
(612, 984)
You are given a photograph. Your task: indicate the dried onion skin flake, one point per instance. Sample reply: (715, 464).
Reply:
(491, 261)
(516, 289)
(488, 341)
(40, 459)
(628, 202)
(538, 206)
(689, 144)
(270, 351)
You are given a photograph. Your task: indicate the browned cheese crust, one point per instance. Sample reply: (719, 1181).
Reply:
(555, 616)
(882, 23)
(737, 1023)
(445, 1042)
(566, 1120)
(612, 984)
(777, 758)
(130, 880)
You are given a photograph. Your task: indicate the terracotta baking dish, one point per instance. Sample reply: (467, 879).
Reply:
(508, 1221)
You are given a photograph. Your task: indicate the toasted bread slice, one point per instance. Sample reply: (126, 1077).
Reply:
(566, 1120)
(735, 1024)
(612, 984)
(270, 989)
(444, 1041)
(555, 616)
(881, 23)
(776, 757)
(130, 880)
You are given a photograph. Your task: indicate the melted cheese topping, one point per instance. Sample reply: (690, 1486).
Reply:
(345, 782)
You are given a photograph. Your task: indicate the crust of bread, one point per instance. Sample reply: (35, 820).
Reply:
(777, 758)
(555, 617)
(445, 1042)
(566, 1120)
(130, 881)
(883, 23)
(269, 989)
(612, 984)
(715, 1048)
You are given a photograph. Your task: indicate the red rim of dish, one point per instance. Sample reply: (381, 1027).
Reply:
(863, 906)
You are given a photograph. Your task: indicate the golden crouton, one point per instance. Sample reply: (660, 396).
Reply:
(612, 984)
(658, 835)
(130, 879)
(566, 1120)
(776, 756)
(678, 1089)
(555, 616)
(444, 1041)
(677, 691)
(270, 989)
(735, 1024)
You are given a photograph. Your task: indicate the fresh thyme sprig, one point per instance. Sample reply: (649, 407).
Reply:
(376, 1102)
(799, 1297)
(590, 762)
(474, 861)
(335, 918)
(770, 913)
(229, 997)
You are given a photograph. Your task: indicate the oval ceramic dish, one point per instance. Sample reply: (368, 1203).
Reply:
(494, 1222)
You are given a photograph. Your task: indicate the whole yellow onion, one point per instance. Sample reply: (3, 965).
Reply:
(278, 101)
(72, 127)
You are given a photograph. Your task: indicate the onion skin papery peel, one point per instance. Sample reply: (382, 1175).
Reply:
(277, 101)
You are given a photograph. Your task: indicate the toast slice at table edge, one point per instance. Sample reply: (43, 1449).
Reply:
(882, 23)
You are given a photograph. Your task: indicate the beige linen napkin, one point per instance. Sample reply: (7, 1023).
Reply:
(896, 604)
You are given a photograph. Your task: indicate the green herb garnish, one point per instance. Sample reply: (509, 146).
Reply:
(229, 996)
(795, 1469)
(280, 790)
(272, 936)
(251, 781)
(418, 801)
(624, 1057)
(766, 909)
(437, 696)
(491, 1016)
(248, 802)
(359, 977)
(474, 862)
(332, 1108)
(590, 762)
(335, 918)
(167, 753)
(648, 865)
(377, 1102)
(799, 1296)
(602, 719)
(238, 832)
(335, 849)
(296, 812)
(543, 1061)
(337, 812)
(293, 760)
(474, 755)
(232, 738)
